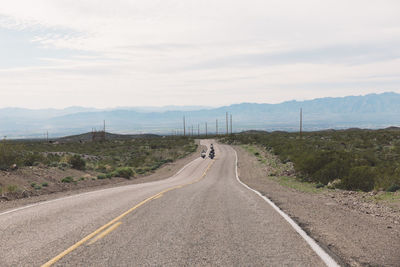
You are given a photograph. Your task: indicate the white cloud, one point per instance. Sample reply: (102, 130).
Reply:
(201, 52)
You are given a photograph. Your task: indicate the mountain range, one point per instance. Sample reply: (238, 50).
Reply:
(368, 111)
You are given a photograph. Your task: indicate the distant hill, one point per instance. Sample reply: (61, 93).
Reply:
(109, 136)
(368, 111)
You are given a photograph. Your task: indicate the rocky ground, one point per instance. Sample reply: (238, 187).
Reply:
(359, 229)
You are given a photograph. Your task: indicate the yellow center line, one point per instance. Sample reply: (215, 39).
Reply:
(106, 232)
(99, 230)
(157, 197)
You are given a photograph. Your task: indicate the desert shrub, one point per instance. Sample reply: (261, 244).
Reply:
(64, 165)
(124, 172)
(53, 164)
(77, 162)
(37, 187)
(68, 179)
(33, 159)
(393, 188)
(9, 155)
(326, 156)
(101, 176)
(334, 184)
(140, 170)
(12, 188)
(168, 160)
(45, 184)
(155, 166)
(360, 178)
(323, 167)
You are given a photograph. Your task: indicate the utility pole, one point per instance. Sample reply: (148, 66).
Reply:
(216, 126)
(198, 129)
(227, 130)
(47, 136)
(192, 130)
(184, 126)
(301, 123)
(206, 129)
(231, 124)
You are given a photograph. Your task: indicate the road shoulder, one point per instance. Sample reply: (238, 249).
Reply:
(357, 237)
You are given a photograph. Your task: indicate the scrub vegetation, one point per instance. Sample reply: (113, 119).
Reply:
(140, 154)
(352, 159)
(118, 157)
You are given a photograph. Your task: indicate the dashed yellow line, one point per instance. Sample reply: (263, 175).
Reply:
(115, 222)
(106, 232)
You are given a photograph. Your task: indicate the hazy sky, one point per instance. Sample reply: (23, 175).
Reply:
(57, 53)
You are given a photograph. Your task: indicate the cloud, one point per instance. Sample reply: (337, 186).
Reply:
(181, 52)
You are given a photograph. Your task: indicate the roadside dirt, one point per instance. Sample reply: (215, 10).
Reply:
(55, 189)
(357, 232)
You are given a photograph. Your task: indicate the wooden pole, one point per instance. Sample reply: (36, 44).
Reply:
(216, 126)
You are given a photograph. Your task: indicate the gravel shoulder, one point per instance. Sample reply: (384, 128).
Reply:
(359, 232)
(164, 172)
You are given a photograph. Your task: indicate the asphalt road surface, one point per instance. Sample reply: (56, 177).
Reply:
(201, 216)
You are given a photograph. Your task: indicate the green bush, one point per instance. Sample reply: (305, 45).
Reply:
(33, 159)
(393, 188)
(45, 184)
(124, 172)
(68, 179)
(140, 170)
(77, 162)
(360, 178)
(9, 154)
(101, 176)
(64, 165)
(53, 164)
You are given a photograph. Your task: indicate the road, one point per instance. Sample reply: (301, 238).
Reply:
(200, 216)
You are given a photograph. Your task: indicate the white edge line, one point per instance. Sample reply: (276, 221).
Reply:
(81, 194)
(325, 257)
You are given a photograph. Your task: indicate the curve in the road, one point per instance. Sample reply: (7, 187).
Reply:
(328, 260)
